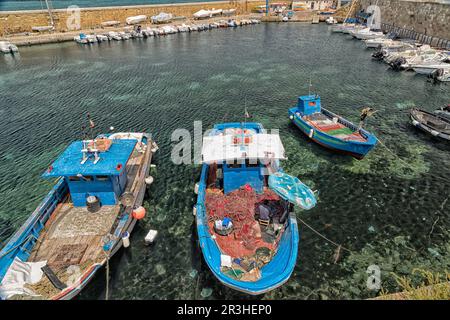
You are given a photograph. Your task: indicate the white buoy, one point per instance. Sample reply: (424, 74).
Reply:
(291, 117)
(126, 239)
(111, 128)
(149, 180)
(311, 133)
(150, 237)
(194, 210)
(196, 188)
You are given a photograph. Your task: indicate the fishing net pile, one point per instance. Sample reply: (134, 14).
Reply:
(250, 245)
(239, 205)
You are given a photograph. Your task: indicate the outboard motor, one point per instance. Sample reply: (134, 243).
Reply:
(397, 63)
(378, 54)
(435, 74)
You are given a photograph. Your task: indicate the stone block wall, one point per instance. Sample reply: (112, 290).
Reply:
(424, 16)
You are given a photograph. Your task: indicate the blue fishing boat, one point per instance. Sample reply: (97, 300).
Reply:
(82, 221)
(244, 213)
(330, 130)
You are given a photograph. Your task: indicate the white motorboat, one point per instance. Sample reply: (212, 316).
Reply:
(91, 38)
(202, 14)
(430, 56)
(42, 28)
(428, 69)
(169, 29)
(444, 76)
(331, 20)
(352, 28)
(217, 12)
(102, 37)
(366, 33)
(8, 47)
(162, 18)
(111, 23)
(136, 19)
(114, 36)
(124, 35)
(377, 42)
(81, 38)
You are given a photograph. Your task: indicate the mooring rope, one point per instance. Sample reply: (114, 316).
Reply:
(321, 235)
(107, 278)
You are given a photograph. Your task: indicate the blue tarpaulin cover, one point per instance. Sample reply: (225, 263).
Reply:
(292, 189)
(112, 162)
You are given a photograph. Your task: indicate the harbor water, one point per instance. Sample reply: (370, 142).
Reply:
(389, 210)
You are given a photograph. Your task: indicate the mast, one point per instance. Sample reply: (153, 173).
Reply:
(49, 9)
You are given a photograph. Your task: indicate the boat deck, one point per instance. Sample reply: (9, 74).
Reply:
(74, 237)
(247, 235)
(336, 129)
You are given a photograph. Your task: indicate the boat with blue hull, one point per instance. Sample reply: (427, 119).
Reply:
(81, 222)
(330, 130)
(246, 227)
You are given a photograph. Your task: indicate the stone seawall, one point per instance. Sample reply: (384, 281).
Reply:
(13, 22)
(428, 17)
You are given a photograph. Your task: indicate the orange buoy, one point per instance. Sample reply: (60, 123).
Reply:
(138, 213)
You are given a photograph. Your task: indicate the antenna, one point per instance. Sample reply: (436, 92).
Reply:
(310, 85)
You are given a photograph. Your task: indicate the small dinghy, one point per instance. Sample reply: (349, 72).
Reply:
(7, 47)
(443, 112)
(330, 130)
(136, 19)
(433, 124)
(162, 18)
(244, 214)
(82, 221)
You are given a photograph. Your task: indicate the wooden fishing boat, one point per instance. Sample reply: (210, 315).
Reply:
(244, 214)
(80, 223)
(330, 130)
(433, 124)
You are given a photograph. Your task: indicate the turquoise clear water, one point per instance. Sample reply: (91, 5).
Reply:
(388, 212)
(11, 5)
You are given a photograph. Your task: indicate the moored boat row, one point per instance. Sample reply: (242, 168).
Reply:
(402, 54)
(147, 32)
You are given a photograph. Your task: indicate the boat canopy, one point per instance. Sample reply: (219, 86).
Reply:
(229, 147)
(111, 162)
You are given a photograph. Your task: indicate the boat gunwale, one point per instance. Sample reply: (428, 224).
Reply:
(26, 228)
(205, 246)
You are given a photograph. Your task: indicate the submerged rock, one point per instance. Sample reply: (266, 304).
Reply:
(206, 292)
(193, 273)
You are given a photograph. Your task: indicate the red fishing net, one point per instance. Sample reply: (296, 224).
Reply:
(240, 206)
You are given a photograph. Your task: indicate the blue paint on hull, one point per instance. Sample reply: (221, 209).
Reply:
(273, 274)
(354, 148)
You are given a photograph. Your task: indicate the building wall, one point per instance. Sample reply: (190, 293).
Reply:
(313, 4)
(430, 17)
(12, 22)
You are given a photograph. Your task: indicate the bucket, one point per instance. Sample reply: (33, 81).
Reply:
(126, 239)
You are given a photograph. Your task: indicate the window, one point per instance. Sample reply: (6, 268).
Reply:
(251, 163)
(74, 178)
(102, 178)
(234, 164)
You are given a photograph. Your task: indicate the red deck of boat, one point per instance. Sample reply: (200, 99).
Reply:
(323, 124)
(240, 206)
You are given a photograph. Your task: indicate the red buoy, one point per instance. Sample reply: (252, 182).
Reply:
(138, 213)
